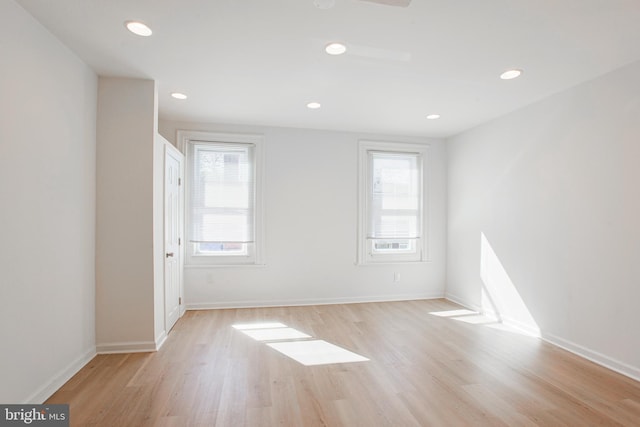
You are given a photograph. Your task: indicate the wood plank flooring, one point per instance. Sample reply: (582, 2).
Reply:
(424, 370)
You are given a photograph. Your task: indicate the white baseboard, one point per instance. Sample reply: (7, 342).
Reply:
(310, 301)
(506, 320)
(460, 301)
(64, 375)
(527, 329)
(161, 340)
(60, 378)
(597, 358)
(126, 347)
(584, 352)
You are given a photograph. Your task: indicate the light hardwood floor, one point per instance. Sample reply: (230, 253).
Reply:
(424, 370)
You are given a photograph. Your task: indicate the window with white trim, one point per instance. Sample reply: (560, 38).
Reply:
(223, 223)
(392, 200)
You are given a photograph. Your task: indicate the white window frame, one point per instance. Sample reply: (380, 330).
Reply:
(364, 252)
(186, 139)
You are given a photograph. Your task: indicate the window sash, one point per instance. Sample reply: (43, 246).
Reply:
(392, 223)
(394, 202)
(222, 199)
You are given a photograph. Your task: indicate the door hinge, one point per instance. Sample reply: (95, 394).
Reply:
(179, 300)
(179, 241)
(179, 181)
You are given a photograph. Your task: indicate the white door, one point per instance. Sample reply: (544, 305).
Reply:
(172, 222)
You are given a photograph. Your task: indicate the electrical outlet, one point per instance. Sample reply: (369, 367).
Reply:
(396, 277)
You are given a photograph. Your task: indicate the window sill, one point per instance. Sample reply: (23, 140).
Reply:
(370, 263)
(196, 266)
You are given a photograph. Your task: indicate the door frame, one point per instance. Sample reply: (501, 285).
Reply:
(169, 149)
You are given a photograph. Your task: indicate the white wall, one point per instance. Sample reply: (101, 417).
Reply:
(311, 226)
(47, 218)
(555, 190)
(125, 274)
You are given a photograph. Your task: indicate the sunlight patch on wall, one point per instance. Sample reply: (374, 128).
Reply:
(500, 297)
(297, 345)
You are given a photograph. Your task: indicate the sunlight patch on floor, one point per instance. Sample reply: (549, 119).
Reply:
(297, 345)
(513, 330)
(477, 319)
(277, 334)
(260, 325)
(316, 352)
(467, 316)
(453, 313)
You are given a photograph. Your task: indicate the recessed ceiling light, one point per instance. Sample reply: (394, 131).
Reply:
(433, 116)
(178, 95)
(324, 4)
(510, 74)
(314, 105)
(335, 49)
(138, 28)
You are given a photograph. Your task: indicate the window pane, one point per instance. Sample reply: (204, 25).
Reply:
(394, 207)
(394, 226)
(221, 248)
(222, 218)
(393, 245)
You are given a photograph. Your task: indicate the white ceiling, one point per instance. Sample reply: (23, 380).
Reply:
(260, 61)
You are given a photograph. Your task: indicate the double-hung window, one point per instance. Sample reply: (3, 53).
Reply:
(392, 202)
(223, 224)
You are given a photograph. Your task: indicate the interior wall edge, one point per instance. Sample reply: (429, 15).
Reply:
(600, 359)
(627, 370)
(60, 378)
(161, 339)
